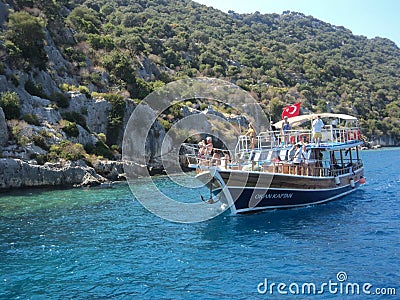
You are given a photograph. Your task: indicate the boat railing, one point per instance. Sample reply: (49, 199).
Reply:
(250, 157)
(308, 168)
(347, 167)
(314, 168)
(273, 139)
(219, 157)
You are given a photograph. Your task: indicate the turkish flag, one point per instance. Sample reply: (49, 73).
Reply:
(291, 111)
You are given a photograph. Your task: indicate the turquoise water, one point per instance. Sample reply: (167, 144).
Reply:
(102, 244)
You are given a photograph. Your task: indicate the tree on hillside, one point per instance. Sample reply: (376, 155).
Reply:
(85, 19)
(10, 103)
(25, 38)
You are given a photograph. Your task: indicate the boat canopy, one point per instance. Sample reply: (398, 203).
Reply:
(296, 121)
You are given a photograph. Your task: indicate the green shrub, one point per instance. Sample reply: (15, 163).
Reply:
(165, 123)
(75, 55)
(95, 78)
(13, 51)
(31, 119)
(69, 128)
(91, 159)
(61, 99)
(34, 89)
(102, 137)
(64, 87)
(26, 33)
(39, 141)
(84, 90)
(46, 134)
(116, 115)
(85, 19)
(10, 103)
(101, 149)
(75, 117)
(15, 80)
(67, 150)
(41, 159)
(115, 148)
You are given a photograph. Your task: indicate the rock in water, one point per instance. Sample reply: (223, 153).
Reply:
(16, 173)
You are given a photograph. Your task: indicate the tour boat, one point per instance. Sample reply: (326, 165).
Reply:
(266, 175)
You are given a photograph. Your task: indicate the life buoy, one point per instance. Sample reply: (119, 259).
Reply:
(351, 135)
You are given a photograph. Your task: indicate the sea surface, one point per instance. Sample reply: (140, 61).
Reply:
(103, 244)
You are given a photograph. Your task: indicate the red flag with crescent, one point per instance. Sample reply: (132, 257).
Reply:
(291, 111)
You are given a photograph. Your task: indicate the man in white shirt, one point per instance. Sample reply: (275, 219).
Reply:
(299, 155)
(317, 126)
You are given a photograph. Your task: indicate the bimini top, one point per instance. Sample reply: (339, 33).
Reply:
(296, 121)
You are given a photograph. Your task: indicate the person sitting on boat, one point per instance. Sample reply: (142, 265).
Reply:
(334, 164)
(290, 153)
(317, 126)
(216, 158)
(225, 159)
(286, 128)
(298, 159)
(251, 132)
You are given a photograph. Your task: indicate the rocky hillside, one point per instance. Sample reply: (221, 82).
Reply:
(72, 71)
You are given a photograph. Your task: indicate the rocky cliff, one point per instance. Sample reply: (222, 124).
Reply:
(55, 111)
(3, 129)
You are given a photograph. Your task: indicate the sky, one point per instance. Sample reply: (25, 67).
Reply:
(370, 18)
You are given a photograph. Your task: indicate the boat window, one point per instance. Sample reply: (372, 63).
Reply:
(326, 160)
(349, 156)
(336, 160)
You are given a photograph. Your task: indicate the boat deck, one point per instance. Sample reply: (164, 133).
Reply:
(273, 153)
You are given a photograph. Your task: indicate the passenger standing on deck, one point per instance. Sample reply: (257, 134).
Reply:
(286, 128)
(202, 149)
(317, 126)
(209, 146)
(298, 156)
(226, 159)
(251, 132)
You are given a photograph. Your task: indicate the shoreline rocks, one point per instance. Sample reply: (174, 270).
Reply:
(17, 173)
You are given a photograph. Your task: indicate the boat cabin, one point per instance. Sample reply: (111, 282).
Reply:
(297, 153)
